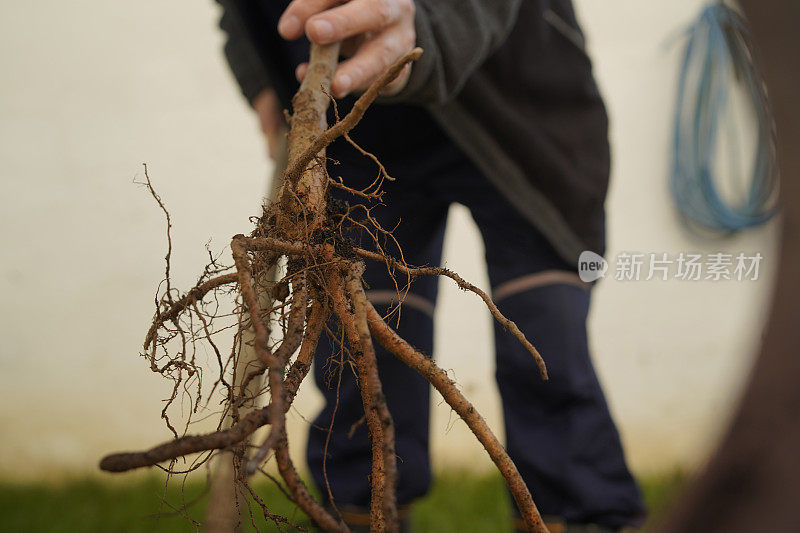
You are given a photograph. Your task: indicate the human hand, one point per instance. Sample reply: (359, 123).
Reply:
(270, 115)
(374, 34)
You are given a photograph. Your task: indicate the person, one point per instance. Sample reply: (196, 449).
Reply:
(500, 114)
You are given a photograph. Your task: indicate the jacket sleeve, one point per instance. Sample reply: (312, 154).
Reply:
(241, 54)
(457, 36)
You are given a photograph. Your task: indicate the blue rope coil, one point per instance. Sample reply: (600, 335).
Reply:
(720, 48)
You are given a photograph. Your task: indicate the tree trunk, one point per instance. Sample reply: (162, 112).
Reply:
(752, 482)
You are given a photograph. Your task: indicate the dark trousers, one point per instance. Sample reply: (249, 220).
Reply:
(559, 433)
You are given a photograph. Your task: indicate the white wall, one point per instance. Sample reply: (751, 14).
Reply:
(91, 89)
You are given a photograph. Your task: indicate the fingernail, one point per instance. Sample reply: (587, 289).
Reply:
(322, 29)
(289, 26)
(343, 84)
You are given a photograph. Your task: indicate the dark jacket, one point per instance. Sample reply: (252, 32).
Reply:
(510, 82)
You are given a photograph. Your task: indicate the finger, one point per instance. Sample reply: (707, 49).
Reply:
(350, 46)
(348, 49)
(292, 23)
(301, 71)
(371, 60)
(399, 82)
(354, 17)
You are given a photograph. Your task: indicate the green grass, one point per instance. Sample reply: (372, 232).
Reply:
(459, 502)
(464, 502)
(660, 491)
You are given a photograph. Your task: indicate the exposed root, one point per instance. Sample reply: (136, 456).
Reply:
(323, 279)
(509, 325)
(194, 295)
(349, 122)
(437, 377)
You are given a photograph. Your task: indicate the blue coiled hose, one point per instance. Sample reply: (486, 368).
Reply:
(719, 48)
